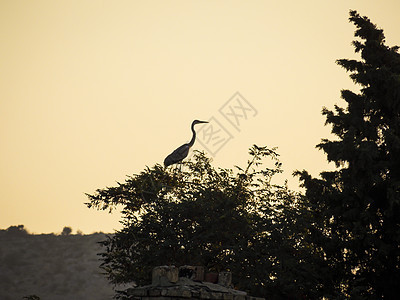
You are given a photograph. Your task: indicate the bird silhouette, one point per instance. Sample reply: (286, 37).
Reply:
(181, 152)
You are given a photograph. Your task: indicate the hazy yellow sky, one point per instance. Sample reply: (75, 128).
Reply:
(92, 91)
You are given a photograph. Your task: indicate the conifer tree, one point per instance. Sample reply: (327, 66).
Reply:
(358, 205)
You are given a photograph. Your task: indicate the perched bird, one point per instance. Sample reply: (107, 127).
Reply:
(180, 153)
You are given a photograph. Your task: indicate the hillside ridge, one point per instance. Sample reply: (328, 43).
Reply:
(56, 267)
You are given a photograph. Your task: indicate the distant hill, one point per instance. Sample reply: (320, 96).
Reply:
(53, 267)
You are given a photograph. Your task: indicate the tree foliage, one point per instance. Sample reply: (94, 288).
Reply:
(358, 205)
(15, 231)
(340, 240)
(223, 219)
(66, 230)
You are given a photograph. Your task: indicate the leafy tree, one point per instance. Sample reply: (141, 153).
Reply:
(358, 206)
(218, 218)
(66, 230)
(16, 231)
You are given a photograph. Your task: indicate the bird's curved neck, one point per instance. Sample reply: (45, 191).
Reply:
(193, 137)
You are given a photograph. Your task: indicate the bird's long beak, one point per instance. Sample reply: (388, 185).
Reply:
(203, 122)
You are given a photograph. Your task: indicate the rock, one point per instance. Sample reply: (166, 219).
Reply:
(165, 276)
(171, 283)
(225, 278)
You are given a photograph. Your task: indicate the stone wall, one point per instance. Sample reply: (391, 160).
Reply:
(187, 282)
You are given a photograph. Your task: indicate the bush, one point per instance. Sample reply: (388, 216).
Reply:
(66, 231)
(219, 218)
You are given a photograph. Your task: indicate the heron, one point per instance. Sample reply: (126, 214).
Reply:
(181, 152)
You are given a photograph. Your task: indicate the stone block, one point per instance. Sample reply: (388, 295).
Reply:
(165, 275)
(227, 296)
(178, 293)
(205, 294)
(225, 278)
(154, 292)
(216, 295)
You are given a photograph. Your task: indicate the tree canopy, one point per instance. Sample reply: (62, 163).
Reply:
(339, 240)
(219, 218)
(358, 205)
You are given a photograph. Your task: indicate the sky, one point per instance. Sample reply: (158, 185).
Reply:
(93, 91)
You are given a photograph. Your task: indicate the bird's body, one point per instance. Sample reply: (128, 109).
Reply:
(181, 152)
(177, 155)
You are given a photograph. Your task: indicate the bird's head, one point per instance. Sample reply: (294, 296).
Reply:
(198, 122)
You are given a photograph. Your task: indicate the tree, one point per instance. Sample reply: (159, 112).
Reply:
(218, 218)
(17, 231)
(66, 230)
(358, 205)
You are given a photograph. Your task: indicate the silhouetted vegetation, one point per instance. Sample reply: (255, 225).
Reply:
(219, 218)
(14, 231)
(66, 230)
(340, 240)
(49, 266)
(358, 205)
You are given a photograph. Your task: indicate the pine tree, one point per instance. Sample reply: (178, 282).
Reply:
(358, 205)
